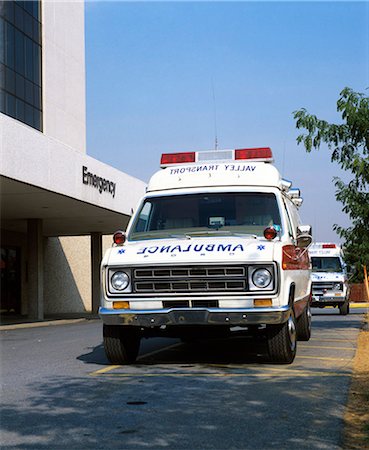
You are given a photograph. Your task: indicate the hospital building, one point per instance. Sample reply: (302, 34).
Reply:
(59, 206)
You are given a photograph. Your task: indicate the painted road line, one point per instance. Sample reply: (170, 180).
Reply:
(104, 370)
(269, 369)
(332, 340)
(250, 371)
(225, 375)
(107, 369)
(159, 350)
(326, 347)
(112, 367)
(324, 358)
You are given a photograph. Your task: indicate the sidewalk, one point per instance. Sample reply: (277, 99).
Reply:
(11, 322)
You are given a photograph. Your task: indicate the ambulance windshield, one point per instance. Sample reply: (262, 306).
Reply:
(201, 214)
(326, 264)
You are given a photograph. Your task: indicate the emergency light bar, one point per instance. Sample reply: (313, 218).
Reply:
(262, 154)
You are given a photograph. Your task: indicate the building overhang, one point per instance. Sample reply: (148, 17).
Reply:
(61, 215)
(74, 194)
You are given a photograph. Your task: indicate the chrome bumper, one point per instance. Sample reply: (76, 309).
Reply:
(195, 316)
(328, 299)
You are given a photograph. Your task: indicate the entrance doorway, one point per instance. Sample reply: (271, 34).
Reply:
(10, 266)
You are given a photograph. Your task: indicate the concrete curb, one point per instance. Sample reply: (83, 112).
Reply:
(359, 305)
(45, 323)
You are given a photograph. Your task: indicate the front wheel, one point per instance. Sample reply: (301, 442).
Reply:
(121, 345)
(344, 309)
(303, 325)
(282, 341)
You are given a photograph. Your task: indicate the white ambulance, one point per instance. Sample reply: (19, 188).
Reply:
(215, 247)
(329, 277)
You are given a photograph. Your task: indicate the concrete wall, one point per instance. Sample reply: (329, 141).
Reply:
(67, 277)
(63, 71)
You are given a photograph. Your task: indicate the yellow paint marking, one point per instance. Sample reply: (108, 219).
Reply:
(251, 372)
(330, 348)
(264, 368)
(225, 375)
(104, 370)
(159, 350)
(109, 368)
(323, 358)
(332, 340)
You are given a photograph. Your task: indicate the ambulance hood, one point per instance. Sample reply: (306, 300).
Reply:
(194, 250)
(328, 276)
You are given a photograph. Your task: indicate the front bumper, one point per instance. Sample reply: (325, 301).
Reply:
(195, 316)
(328, 299)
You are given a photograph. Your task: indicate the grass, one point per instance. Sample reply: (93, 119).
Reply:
(356, 432)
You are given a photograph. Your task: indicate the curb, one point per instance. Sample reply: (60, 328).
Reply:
(45, 323)
(359, 305)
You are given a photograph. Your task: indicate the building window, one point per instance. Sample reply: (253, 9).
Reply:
(20, 61)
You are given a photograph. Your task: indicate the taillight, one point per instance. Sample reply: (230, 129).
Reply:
(329, 246)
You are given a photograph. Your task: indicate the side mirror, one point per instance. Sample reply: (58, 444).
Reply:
(304, 238)
(350, 270)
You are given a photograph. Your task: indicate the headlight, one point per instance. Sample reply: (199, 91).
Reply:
(337, 287)
(119, 281)
(261, 278)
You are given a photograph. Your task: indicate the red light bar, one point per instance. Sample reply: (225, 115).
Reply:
(329, 246)
(177, 158)
(253, 153)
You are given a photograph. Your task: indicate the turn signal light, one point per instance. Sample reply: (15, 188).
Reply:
(120, 305)
(119, 238)
(263, 302)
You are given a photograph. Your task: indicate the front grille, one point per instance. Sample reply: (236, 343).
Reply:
(190, 279)
(320, 286)
(191, 304)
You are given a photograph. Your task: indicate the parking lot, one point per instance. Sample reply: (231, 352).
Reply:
(59, 391)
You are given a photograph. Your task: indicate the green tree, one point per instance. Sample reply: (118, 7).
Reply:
(349, 145)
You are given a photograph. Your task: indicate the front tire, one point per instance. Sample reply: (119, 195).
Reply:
(303, 325)
(344, 309)
(121, 345)
(282, 341)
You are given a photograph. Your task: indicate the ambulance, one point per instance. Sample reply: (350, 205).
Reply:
(329, 277)
(216, 247)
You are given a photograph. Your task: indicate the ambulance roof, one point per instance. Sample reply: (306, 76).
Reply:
(243, 167)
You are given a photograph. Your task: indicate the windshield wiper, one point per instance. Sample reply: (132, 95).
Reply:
(217, 232)
(158, 235)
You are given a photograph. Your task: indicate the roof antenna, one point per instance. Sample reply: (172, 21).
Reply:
(283, 157)
(215, 115)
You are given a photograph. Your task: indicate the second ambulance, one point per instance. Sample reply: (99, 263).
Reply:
(329, 277)
(216, 247)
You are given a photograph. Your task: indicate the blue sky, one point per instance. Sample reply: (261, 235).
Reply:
(152, 69)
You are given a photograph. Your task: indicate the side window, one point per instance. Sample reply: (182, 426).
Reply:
(143, 219)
